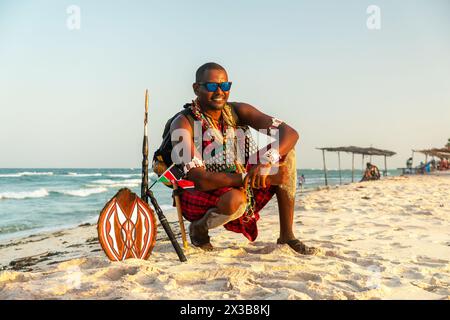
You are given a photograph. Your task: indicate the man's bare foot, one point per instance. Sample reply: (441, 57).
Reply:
(198, 232)
(299, 247)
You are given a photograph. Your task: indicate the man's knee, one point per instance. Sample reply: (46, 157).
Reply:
(231, 201)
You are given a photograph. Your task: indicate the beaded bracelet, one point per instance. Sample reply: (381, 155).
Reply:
(271, 156)
(194, 163)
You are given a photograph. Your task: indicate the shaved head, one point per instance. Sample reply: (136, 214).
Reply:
(207, 66)
(215, 73)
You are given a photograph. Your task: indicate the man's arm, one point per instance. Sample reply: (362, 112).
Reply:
(249, 115)
(203, 180)
(257, 177)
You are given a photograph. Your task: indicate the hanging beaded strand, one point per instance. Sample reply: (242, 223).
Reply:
(227, 120)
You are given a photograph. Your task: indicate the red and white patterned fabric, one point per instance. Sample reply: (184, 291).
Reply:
(194, 204)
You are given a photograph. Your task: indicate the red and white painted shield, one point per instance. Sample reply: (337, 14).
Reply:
(127, 227)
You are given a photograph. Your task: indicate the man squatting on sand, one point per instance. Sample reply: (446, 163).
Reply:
(233, 194)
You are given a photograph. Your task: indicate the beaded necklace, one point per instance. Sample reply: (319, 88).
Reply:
(226, 150)
(219, 133)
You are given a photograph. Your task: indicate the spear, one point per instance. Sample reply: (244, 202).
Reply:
(144, 184)
(146, 192)
(166, 227)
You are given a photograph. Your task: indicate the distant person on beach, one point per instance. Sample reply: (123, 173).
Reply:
(421, 167)
(409, 163)
(433, 165)
(443, 165)
(301, 181)
(233, 194)
(371, 173)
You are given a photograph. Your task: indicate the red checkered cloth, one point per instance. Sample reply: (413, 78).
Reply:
(194, 205)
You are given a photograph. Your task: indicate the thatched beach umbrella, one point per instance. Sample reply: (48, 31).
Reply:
(370, 151)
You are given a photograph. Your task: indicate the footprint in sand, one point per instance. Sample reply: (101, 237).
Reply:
(115, 274)
(85, 263)
(326, 237)
(427, 261)
(414, 273)
(328, 244)
(266, 249)
(384, 237)
(398, 245)
(424, 212)
(232, 252)
(146, 278)
(373, 261)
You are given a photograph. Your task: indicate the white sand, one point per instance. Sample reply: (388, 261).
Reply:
(380, 240)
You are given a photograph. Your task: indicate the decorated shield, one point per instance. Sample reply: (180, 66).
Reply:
(127, 227)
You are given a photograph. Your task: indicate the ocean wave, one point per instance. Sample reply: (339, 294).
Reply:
(75, 174)
(40, 193)
(129, 175)
(167, 207)
(118, 183)
(26, 173)
(315, 180)
(85, 192)
(14, 228)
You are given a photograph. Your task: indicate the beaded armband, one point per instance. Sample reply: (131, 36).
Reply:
(271, 156)
(275, 124)
(194, 163)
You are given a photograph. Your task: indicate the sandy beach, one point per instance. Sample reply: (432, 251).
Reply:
(387, 239)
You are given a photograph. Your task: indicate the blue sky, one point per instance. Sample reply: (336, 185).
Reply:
(74, 98)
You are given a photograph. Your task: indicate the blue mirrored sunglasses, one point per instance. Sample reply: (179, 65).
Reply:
(213, 86)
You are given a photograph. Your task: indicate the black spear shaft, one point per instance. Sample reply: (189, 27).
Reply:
(144, 184)
(146, 192)
(166, 227)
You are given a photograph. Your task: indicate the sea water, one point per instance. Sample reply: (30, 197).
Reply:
(36, 200)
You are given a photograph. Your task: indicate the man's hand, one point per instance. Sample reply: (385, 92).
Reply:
(262, 175)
